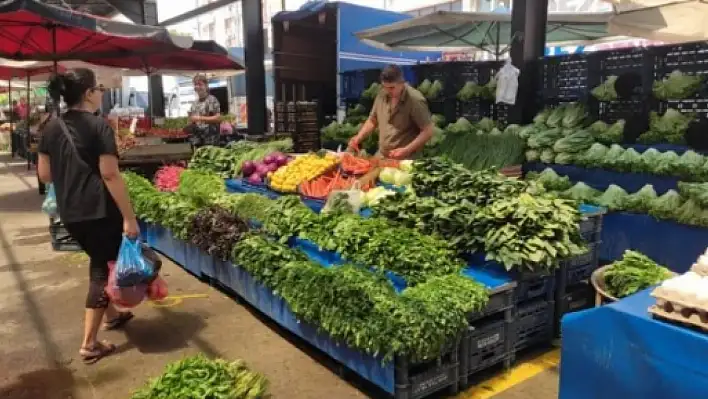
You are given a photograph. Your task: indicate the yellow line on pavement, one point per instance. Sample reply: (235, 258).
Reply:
(174, 300)
(516, 375)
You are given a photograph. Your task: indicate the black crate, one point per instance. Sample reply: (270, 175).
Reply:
(501, 113)
(686, 57)
(475, 109)
(445, 107)
(534, 324)
(61, 239)
(414, 381)
(437, 71)
(579, 297)
(355, 82)
(488, 342)
(535, 286)
(501, 299)
(565, 77)
(577, 269)
(591, 225)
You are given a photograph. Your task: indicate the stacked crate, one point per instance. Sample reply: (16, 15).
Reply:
(535, 306)
(489, 340)
(284, 118)
(573, 289)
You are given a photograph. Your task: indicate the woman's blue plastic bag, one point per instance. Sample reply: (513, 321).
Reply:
(132, 268)
(49, 206)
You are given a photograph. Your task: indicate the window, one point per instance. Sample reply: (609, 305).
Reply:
(229, 26)
(211, 28)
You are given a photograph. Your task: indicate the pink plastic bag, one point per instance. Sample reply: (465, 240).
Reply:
(157, 290)
(125, 297)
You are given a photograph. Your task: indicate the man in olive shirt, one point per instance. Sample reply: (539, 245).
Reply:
(402, 116)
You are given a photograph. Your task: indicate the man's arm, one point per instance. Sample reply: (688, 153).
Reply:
(366, 129)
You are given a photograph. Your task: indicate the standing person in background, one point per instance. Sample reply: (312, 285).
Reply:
(78, 154)
(402, 116)
(205, 115)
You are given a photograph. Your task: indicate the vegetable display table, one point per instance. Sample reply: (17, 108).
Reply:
(619, 351)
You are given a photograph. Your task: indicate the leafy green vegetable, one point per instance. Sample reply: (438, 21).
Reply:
(564, 158)
(372, 91)
(643, 200)
(628, 161)
(547, 156)
(633, 273)
(544, 138)
(581, 192)
(667, 164)
(594, 156)
(689, 163)
(542, 117)
(692, 213)
(199, 377)
(215, 231)
(532, 155)
(669, 127)
(606, 90)
(200, 187)
(677, 86)
(555, 118)
(614, 198)
(574, 143)
(698, 192)
(517, 232)
(574, 115)
(478, 152)
(665, 206)
(650, 158)
(226, 162)
(550, 180)
(613, 134)
(612, 156)
(469, 91)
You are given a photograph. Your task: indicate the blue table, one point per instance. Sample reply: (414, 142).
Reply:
(619, 351)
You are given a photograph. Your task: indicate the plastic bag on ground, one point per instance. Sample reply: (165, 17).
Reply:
(345, 200)
(49, 206)
(125, 297)
(133, 267)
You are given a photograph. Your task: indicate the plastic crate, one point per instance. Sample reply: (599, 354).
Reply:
(565, 77)
(474, 110)
(591, 223)
(534, 324)
(414, 381)
(355, 82)
(537, 286)
(501, 113)
(577, 269)
(501, 299)
(61, 239)
(488, 342)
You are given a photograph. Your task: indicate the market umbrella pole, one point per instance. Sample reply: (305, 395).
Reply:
(56, 65)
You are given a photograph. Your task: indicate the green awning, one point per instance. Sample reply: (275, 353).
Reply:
(483, 31)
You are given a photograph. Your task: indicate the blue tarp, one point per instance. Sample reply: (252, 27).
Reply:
(600, 179)
(619, 351)
(674, 245)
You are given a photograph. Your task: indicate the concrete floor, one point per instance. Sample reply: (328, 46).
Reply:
(41, 309)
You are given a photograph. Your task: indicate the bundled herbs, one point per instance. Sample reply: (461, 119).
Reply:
(200, 377)
(530, 233)
(480, 152)
(226, 162)
(361, 308)
(215, 231)
(200, 187)
(633, 273)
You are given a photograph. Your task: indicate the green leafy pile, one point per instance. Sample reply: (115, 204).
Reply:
(531, 233)
(200, 187)
(199, 377)
(665, 206)
(550, 180)
(373, 242)
(668, 128)
(342, 132)
(472, 90)
(606, 90)
(633, 273)
(451, 182)
(697, 192)
(431, 90)
(361, 308)
(581, 192)
(170, 210)
(248, 206)
(677, 86)
(372, 91)
(480, 151)
(608, 134)
(432, 216)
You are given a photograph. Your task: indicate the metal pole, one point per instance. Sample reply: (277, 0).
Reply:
(496, 50)
(56, 67)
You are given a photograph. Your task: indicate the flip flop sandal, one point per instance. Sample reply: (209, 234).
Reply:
(98, 352)
(118, 322)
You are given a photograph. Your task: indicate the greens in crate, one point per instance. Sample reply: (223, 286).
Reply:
(667, 128)
(677, 86)
(606, 90)
(608, 134)
(530, 233)
(633, 273)
(361, 308)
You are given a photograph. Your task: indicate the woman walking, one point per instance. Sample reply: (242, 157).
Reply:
(78, 154)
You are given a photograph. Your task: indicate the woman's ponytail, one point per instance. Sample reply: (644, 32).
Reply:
(56, 87)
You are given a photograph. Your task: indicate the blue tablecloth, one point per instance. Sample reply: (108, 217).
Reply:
(672, 244)
(619, 351)
(600, 179)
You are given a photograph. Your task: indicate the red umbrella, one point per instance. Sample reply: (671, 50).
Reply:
(30, 30)
(204, 55)
(9, 72)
